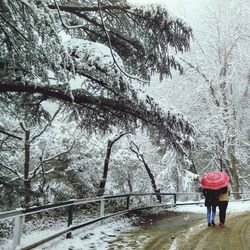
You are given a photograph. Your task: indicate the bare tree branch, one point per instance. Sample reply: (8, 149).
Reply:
(23, 128)
(40, 167)
(135, 149)
(198, 70)
(15, 172)
(9, 134)
(47, 125)
(60, 154)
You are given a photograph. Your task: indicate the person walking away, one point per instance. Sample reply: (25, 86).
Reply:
(211, 201)
(224, 195)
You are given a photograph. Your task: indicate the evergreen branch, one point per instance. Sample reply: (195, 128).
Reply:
(80, 98)
(95, 80)
(92, 31)
(9, 39)
(25, 4)
(88, 8)
(20, 191)
(61, 19)
(150, 114)
(111, 49)
(14, 27)
(94, 22)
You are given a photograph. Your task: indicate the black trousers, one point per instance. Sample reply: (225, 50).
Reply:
(222, 211)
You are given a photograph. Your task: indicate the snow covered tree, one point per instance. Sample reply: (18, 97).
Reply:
(46, 45)
(227, 83)
(136, 150)
(110, 144)
(215, 90)
(27, 158)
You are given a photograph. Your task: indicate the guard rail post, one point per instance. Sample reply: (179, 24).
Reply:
(70, 220)
(17, 231)
(150, 200)
(102, 208)
(175, 199)
(128, 201)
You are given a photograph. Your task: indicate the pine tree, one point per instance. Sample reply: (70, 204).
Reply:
(113, 47)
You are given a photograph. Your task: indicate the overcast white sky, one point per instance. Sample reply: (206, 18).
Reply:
(187, 10)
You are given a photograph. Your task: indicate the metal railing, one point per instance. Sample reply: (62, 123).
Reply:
(20, 214)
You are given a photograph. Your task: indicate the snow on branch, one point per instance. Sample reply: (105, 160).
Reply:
(40, 168)
(60, 154)
(47, 125)
(13, 171)
(173, 128)
(23, 128)
(9, 134)
(244, 177)
(63, 23)
(14, 27)
(199, 71)
(100, 8)
(111, 49)
(89, 8)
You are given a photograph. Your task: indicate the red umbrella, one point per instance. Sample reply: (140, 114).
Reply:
(215, 180)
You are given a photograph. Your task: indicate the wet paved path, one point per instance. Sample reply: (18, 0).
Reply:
(187, 231)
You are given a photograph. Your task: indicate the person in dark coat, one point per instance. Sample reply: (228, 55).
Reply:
(224, 194)
(211, 201)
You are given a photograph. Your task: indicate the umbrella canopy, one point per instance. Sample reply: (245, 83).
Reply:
(215, 180)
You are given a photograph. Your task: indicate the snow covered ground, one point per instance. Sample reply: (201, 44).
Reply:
(233, 207)
(99, 235)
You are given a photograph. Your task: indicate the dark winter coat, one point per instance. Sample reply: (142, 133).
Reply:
(211, 197)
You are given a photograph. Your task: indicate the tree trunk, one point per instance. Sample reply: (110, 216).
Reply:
(231, 129)
(235, 176)
(27, 166)
(102, 184)
(192, 168)
(130, 184)
(152, 179)
(151, 176)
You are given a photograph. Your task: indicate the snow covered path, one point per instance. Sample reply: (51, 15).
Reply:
(127, 233)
